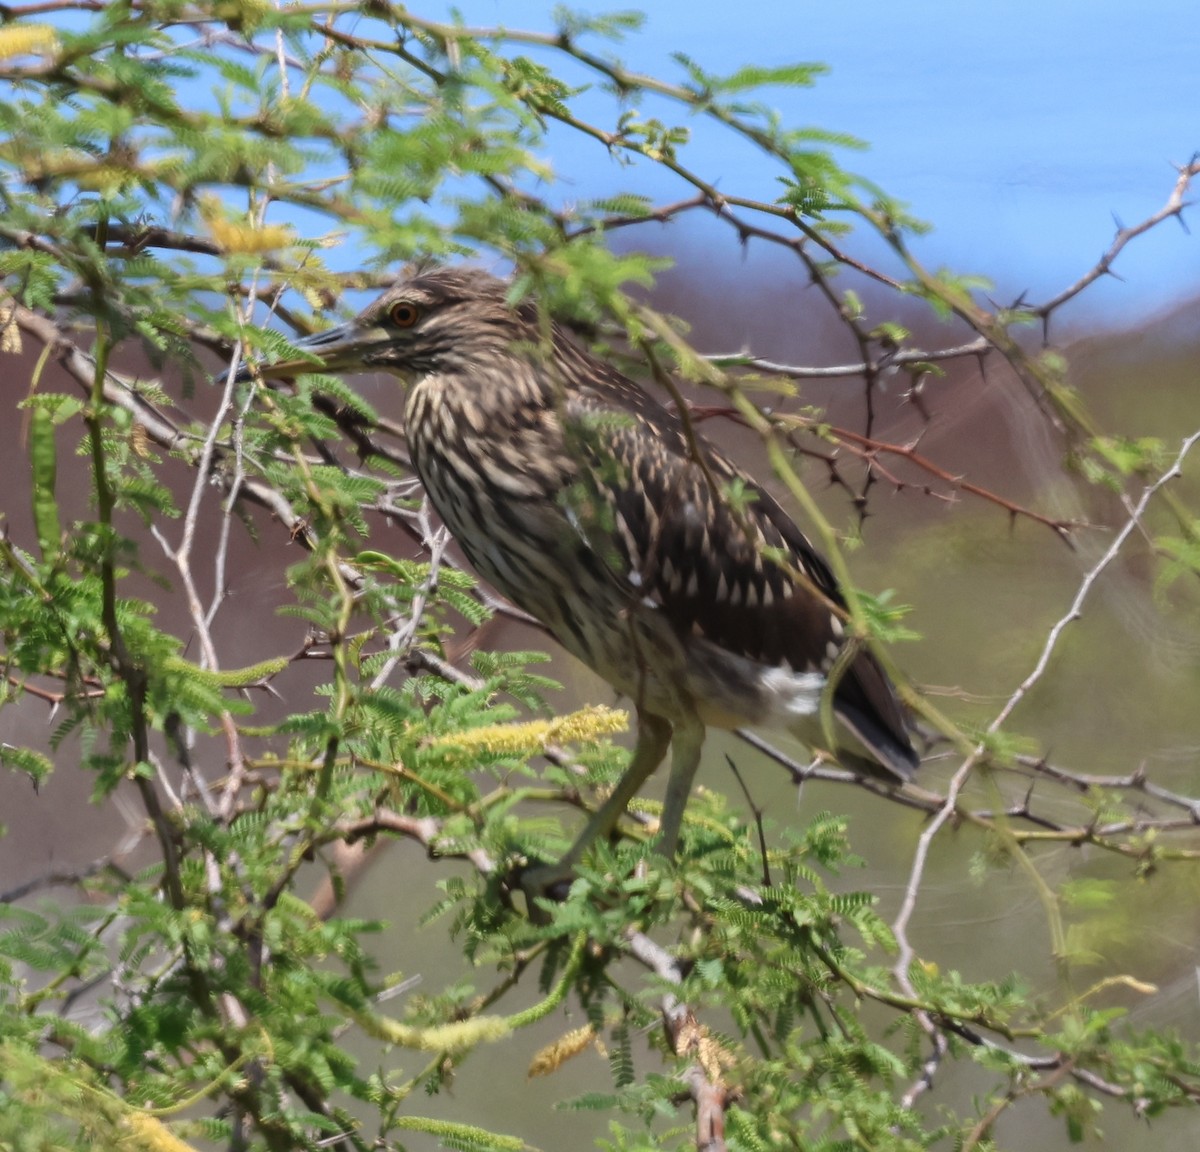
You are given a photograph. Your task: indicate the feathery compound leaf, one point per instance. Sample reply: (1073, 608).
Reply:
(754, 76)
(466, 1137)
(36, 765)
(620, 1056)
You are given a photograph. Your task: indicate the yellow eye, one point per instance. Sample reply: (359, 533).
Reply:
(405, 315)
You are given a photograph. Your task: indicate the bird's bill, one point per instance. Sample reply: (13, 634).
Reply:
(341, 349)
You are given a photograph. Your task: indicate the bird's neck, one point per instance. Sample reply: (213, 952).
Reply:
(477, 397)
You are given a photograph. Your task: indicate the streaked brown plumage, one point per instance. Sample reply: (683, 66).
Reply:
(581, 498)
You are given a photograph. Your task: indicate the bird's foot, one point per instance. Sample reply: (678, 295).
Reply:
(540, 882)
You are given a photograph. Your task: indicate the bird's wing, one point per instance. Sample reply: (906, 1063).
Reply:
(687, 531)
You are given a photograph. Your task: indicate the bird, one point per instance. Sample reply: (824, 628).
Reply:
(642, 549)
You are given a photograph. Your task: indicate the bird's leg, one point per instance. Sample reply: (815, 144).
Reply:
(685, 759)
(653, 737)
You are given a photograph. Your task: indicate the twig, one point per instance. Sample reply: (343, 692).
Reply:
(400, 641)
(688, 1038)
(1085, 587)
(895, 359)
(900, 925)
(1172, 208)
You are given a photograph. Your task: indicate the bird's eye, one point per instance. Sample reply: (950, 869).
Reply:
(405, 315)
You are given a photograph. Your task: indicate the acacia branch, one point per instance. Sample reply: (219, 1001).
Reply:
(870, 447)
(688, 1039)
(1172, 209)
(894, 359)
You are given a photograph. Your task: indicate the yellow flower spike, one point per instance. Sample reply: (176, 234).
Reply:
(240, 236)
(10, 334)
(27, 39)
(457, 1036)
(589, 723)
(145, 1132)
(555, 1055)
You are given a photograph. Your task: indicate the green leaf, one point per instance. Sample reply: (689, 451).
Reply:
(35, 765)
(757, 76)
(1131, 456)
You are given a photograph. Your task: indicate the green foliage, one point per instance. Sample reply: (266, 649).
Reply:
(178, 179)
(1182, 554)
(885, 618)
(1114, 457)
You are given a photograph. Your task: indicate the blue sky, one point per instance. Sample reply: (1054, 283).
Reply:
(1018, 129)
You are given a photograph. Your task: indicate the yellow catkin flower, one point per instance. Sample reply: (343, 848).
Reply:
(235, 237)
(139, 438)
(240, 236)
(10, 334)
(554, 1056)
(534, 735)
(713, 1058)
(587, 724)
(145, 1132)
(455, 1037)
(26, 40)
(694, 1039)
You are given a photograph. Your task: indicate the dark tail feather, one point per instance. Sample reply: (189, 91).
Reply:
(892, 759)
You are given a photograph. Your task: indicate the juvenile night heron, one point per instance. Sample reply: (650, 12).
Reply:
(590, 506)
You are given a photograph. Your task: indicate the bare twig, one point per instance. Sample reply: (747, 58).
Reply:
(900, 924)
(1172, 209)
(890, 360)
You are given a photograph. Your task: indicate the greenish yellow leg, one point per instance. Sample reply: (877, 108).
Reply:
(654, 736)
(686, 744)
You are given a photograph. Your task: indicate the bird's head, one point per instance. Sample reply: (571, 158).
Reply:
(443, 320)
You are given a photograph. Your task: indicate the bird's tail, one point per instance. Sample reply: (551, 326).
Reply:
(873, 748)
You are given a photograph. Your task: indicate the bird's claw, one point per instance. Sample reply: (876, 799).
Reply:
(543, 882)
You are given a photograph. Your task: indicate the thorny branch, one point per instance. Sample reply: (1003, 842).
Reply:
(1171, 210)
(889, 360)
(869, 449)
